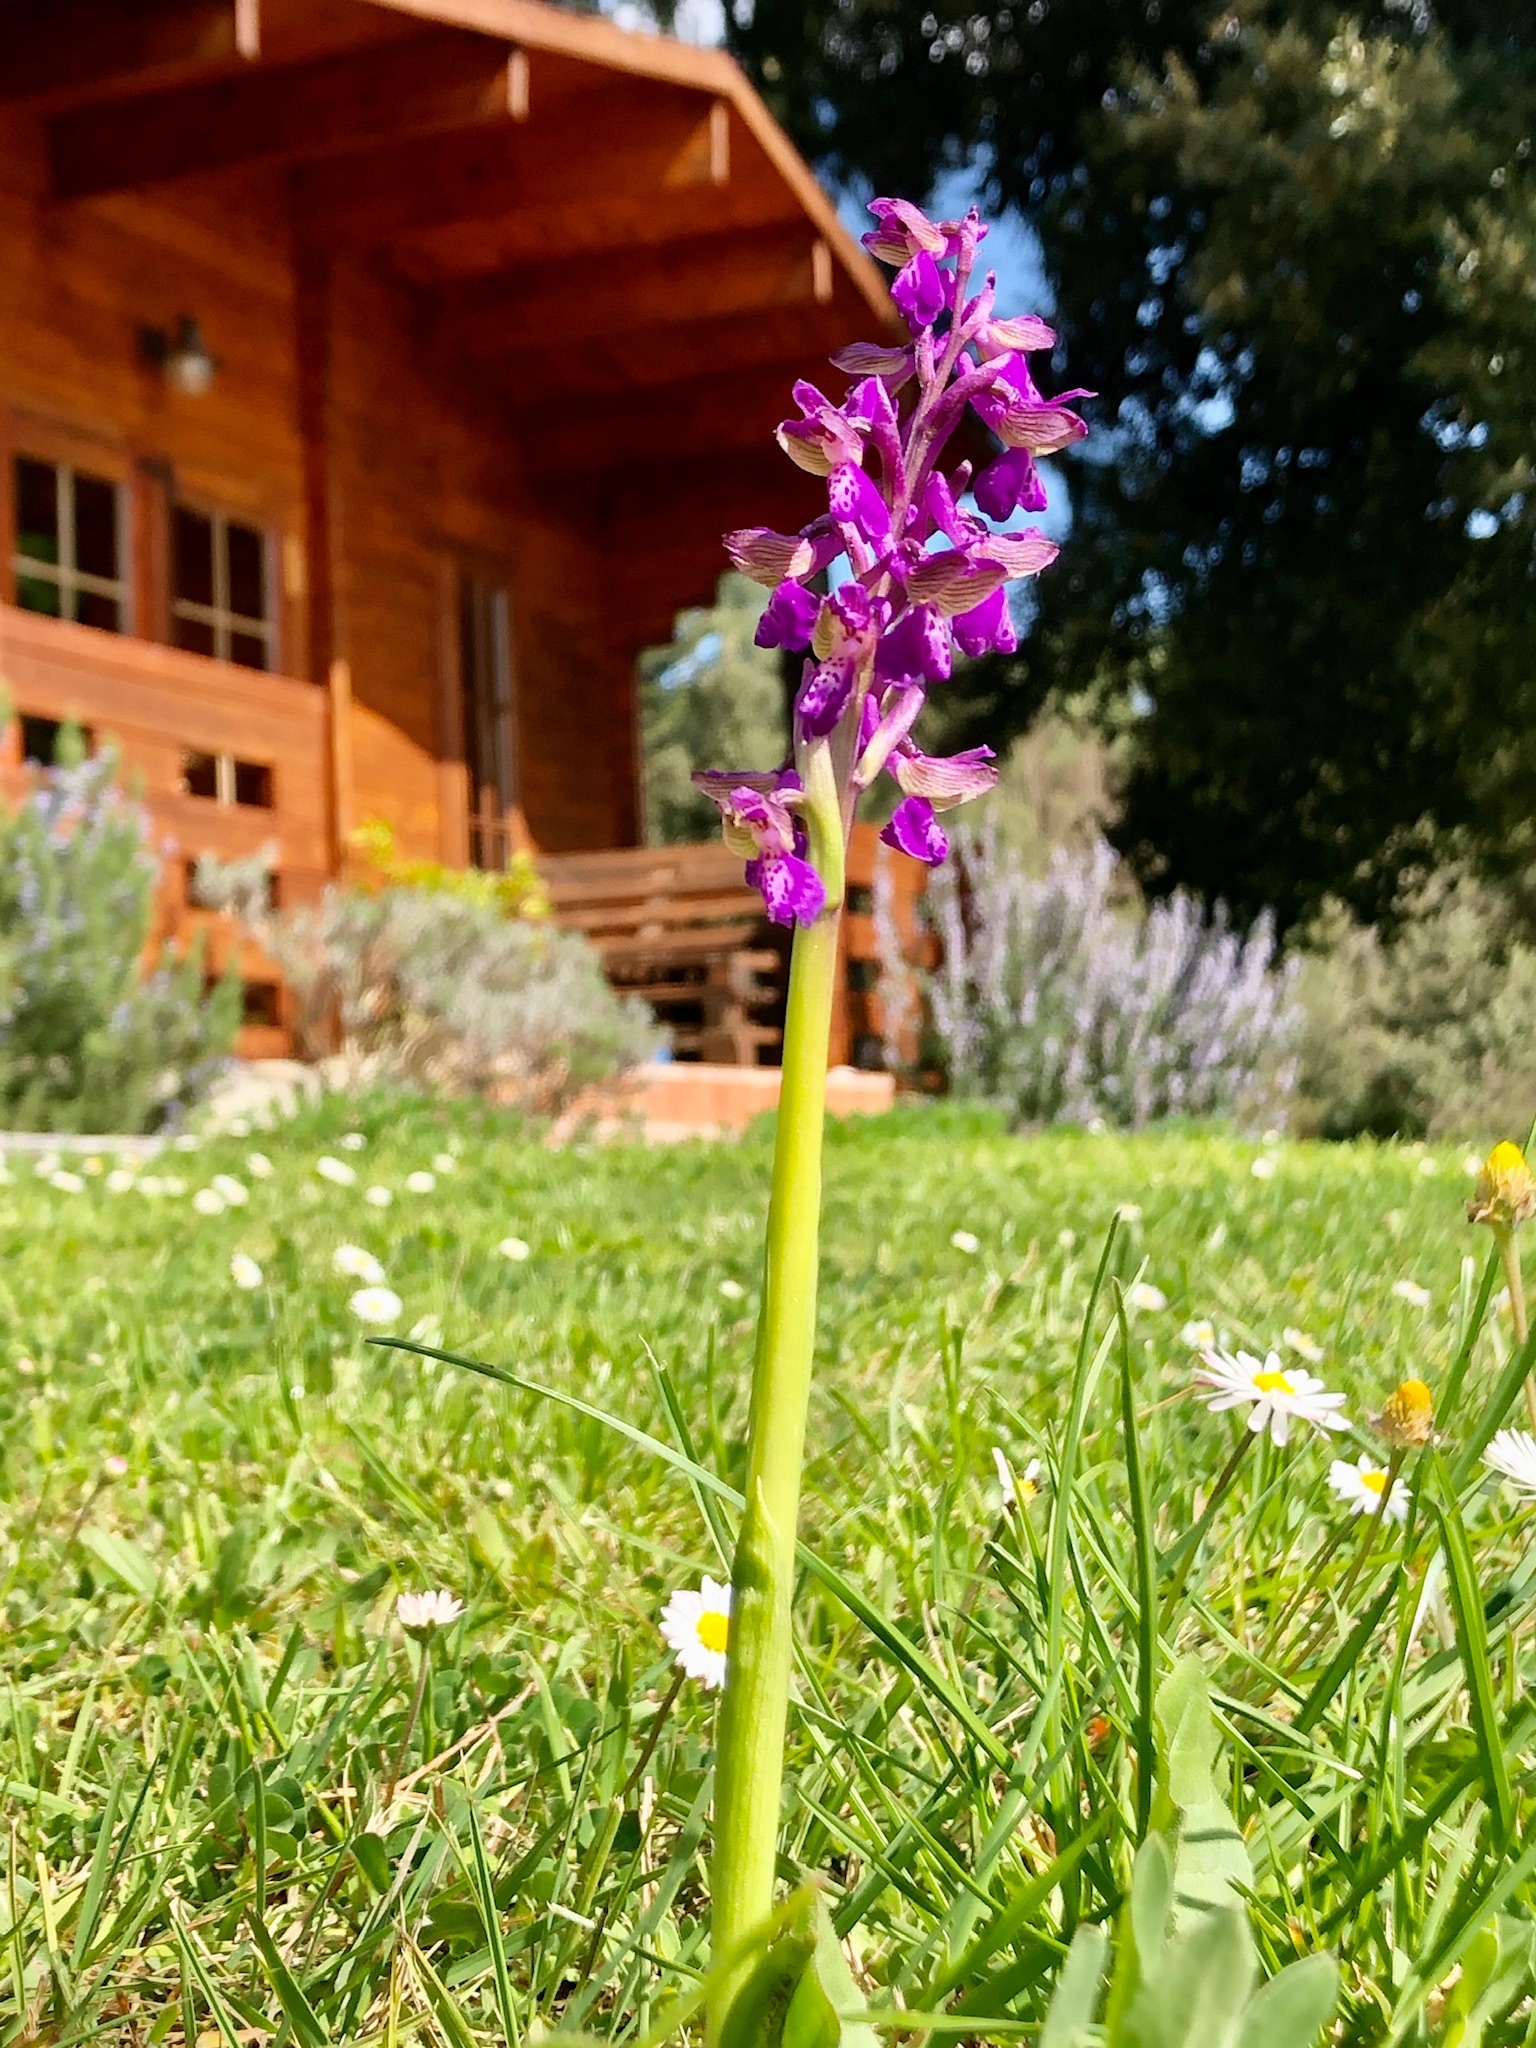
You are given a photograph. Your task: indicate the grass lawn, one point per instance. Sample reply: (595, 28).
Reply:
(220, 1822)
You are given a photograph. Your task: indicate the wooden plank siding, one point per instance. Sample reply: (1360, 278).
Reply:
(494, 292)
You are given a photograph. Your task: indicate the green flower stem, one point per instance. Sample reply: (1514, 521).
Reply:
(1509, 1253)
(755, 1706)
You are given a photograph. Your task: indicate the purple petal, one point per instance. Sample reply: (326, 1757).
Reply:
(987, 628)
(719, 783)
(788, 617)
(882, 730)
(1009, 485)
(915, 651)
(914, 830)
(824, 696)
(955, 581)
(1042, 429)
(792, 891)
(918, 292)
(945, 780)
(854, 500)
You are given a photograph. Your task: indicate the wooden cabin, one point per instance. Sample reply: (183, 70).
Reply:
(376, 379)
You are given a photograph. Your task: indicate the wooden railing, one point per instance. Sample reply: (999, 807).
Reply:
(226, 760)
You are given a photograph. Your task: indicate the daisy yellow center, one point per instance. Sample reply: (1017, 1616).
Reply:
(1374, 1482)
(1272, 1382)
(714, 1629)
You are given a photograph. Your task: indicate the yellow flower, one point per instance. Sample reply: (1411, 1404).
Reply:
(1408, 1416)
(1506, 1192)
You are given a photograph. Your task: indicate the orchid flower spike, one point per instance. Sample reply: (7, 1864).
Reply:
(929, 575)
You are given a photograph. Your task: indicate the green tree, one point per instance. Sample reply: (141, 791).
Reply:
(1292, 245)
(710, 699)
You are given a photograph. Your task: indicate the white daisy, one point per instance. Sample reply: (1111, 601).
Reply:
(378, 1198)
(1066, 1239)
(353, 1263)
(732, 1290)
(1129, 1212)
(376, 1305)
(1512, 1454)
(1411, 1292)
(114, 1467)
(444, 1162)
(239, 1127)
(1304, 1346)
(235, 1192)
(66, 1182)
(965, 1241)
(92, 1166)
(1199, 1336)
(1363, 1484)
(188, 1141)
(119, 1181)
(421, 1182)
(1145, 1295)
(336, 1171)
(1263, 1168)
(1272, 1392)
(259, 1166)
(244, 1271)
(352, 1141)
(209, 1202)
(696, 1627)
(1015, 1487)
(1471, 1164)
(49, 1163)
(1428, 1167)
(421, 1614)
(173, 1185)
(150, 1184)
(515, 1249)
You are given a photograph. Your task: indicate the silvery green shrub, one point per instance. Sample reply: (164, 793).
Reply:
(1065, 998)
(426, 990)
(91, 1037)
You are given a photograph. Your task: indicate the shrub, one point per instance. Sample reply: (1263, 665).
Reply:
(1065, 999)
(90, 1041)
(1426, 1033)
(514, 890)
(442, 992)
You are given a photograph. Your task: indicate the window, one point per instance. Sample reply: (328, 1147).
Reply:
(224, 779)
(221, 585)
(69, 544)
(485, 654)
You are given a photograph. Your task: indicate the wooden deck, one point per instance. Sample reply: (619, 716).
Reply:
(227, 760)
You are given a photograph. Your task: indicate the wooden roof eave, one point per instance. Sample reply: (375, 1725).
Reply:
(535, 26)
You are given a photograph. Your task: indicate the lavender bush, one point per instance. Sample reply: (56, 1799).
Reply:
(93, 1036)
(1059, 995)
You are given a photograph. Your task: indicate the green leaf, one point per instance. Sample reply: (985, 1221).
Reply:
(1291, 2010)
(1076, 1997)
(1195, 1998)
(122, 1557)
(1211, 1866)
(760, 2008)
(297, 2010)
(1472, 1638)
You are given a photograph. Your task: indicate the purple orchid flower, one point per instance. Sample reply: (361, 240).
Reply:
(929, 574)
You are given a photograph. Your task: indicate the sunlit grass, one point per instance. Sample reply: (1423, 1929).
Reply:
(213, 1494)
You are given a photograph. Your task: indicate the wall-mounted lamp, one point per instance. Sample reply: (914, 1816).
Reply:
(182, 357)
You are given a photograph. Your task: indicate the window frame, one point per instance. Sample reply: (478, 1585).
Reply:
(222, 620)
(67, 578)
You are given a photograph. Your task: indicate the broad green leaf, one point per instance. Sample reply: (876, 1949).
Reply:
(1195, 1999)
(1291, 2010)
(122, 1557)
(760, 2008)
(1076, 1997)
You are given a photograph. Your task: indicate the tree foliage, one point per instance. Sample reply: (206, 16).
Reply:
(1294, 248)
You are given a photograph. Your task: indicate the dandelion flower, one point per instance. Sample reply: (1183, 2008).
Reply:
(1263, 1168)
(1506, 1190)
(235, 1192)
(1304, 1346)
(1512, 1454)
(1411, 1292)
(244, 1271)
(209, 1202)
(422, 1614)
(1145, 1295)
(515, 1249)
(965, 1241)
(1016, 1487)
(353, 1263)
(376, 1305)
(378, 1198)
(421, 1182)
(352, 1141)
(1272, 1392)
(1407, 1418)
(92, 1166)
(1363, 1484)
(66, 1182)
(696, 1627)
(336, 1171)
(259, 1166)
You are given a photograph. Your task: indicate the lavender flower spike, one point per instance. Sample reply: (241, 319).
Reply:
(929, 571)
